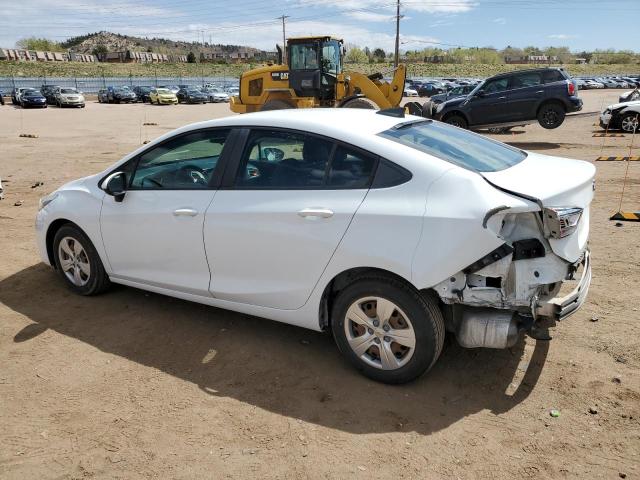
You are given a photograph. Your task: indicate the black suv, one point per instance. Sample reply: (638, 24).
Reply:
(512, 99)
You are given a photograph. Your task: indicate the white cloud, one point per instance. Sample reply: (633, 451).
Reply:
(432, 6)
(500, 20)
(561, 36)
(371, 16)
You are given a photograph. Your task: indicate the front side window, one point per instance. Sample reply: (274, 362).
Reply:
(496, 86)
(185, 162)
(303, 57)
(457, 146)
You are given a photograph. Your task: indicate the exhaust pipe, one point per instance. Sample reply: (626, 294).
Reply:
(487, 328)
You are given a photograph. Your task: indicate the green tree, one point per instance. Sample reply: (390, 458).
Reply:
(379, 54)
(100, 50)
(191, 57)
(356, 55)
(34, 43)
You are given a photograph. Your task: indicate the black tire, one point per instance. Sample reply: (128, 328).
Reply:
(551, 115)
(98, 280)
(630, 122)
(276, 105)
(457, 121)
(358, 103)
(422, 311)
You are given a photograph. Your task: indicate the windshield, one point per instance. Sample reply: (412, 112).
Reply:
(460, 147)
(68, 90)
(162, 90)
(304, 56)
(31, 93)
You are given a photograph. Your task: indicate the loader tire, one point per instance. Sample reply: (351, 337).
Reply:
(276, 105)
(358, 103)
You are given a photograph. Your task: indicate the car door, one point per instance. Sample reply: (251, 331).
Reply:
(526, 90)
(154, 235)
(489, 107)
(280, 215)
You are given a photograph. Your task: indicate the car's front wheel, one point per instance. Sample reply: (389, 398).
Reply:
(78, 262)
(456, 121)
(630, 122)
(387, 329)
(551, 115)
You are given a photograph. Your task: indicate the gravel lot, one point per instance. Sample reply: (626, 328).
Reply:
(136, 385)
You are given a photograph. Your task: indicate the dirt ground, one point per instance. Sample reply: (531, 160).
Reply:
(136, 385)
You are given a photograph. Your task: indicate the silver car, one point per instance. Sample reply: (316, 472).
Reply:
(69, 97)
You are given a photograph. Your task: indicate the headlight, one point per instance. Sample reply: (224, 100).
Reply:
(562, 221)
(46, 200)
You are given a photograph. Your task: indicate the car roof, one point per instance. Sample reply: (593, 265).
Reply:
(332, 122)
(526, 70)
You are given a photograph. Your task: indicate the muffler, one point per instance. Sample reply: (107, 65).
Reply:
(487, 328)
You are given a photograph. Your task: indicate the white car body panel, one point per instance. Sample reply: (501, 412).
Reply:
(263, 252)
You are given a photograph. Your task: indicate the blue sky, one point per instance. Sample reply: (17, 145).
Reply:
(584, 24)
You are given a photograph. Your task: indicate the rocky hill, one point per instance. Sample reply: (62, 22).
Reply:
(113, 42)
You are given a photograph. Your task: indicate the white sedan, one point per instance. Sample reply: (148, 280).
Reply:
(385, 229)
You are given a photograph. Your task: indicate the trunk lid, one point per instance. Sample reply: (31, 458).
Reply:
(554, 182)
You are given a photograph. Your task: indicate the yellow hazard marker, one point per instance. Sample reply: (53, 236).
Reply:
(618, 159)
(28, 135)
(154, 123)
(608, 135)
(626, 216)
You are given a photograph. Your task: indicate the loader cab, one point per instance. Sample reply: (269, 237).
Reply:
(314, 64)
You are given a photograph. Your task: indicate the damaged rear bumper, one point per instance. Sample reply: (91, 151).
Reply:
(560, 308)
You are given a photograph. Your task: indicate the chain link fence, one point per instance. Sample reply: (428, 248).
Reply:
(91, 85)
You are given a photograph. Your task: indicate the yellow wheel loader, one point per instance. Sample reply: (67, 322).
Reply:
(314, 77)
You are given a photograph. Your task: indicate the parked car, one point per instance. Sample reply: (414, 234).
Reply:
(191, 95)
(173, 88)
(607, 82)
(68, 97)
(621, 116)
(103, 96)
(591, 83)
(32, 98)
(1, 97)
(461, 91)
(428, 89)
(233, 91)
(49, 93)
(17, 92)
(315, 217)
(216, 95)
(142, 93)
(409, 92)
(162, 96)
(514, 98)
(120, 95)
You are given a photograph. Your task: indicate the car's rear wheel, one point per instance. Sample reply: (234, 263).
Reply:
(456, 121)
(630, 123)
(551, 115)
(78, 262)
(387, 329)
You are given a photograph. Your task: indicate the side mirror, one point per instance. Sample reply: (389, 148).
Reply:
(116, 185)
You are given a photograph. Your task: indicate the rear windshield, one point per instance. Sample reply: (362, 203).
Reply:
(460, 147)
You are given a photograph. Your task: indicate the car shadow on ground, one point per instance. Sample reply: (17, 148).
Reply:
(280, 368)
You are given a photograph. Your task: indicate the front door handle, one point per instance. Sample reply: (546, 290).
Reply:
(316, 212)
(185, 212)
(502, 98)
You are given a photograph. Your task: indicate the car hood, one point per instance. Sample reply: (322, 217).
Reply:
(454, 102)
(615, 106)
(552, 182)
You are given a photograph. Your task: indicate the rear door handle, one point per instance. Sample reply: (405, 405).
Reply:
(502, 98)
(316, 212)
(185, 212)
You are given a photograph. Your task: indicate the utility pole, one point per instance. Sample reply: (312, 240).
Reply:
(284, 40)
(397, 53)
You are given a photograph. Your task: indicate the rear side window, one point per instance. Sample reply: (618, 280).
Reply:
(460, 147)
(350, 169)
(523, 80)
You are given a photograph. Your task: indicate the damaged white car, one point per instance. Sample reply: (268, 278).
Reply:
(386, 230)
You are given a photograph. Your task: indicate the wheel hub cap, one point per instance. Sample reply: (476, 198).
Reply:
(74, 261)
(380, 333)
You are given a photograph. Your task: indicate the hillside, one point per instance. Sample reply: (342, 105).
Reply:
(73, 69)
(114, 42)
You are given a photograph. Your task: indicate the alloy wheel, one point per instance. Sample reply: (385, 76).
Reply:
(74, 261)
(630, 123)
(380, 333)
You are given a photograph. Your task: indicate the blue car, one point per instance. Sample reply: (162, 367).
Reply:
(32, 98)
